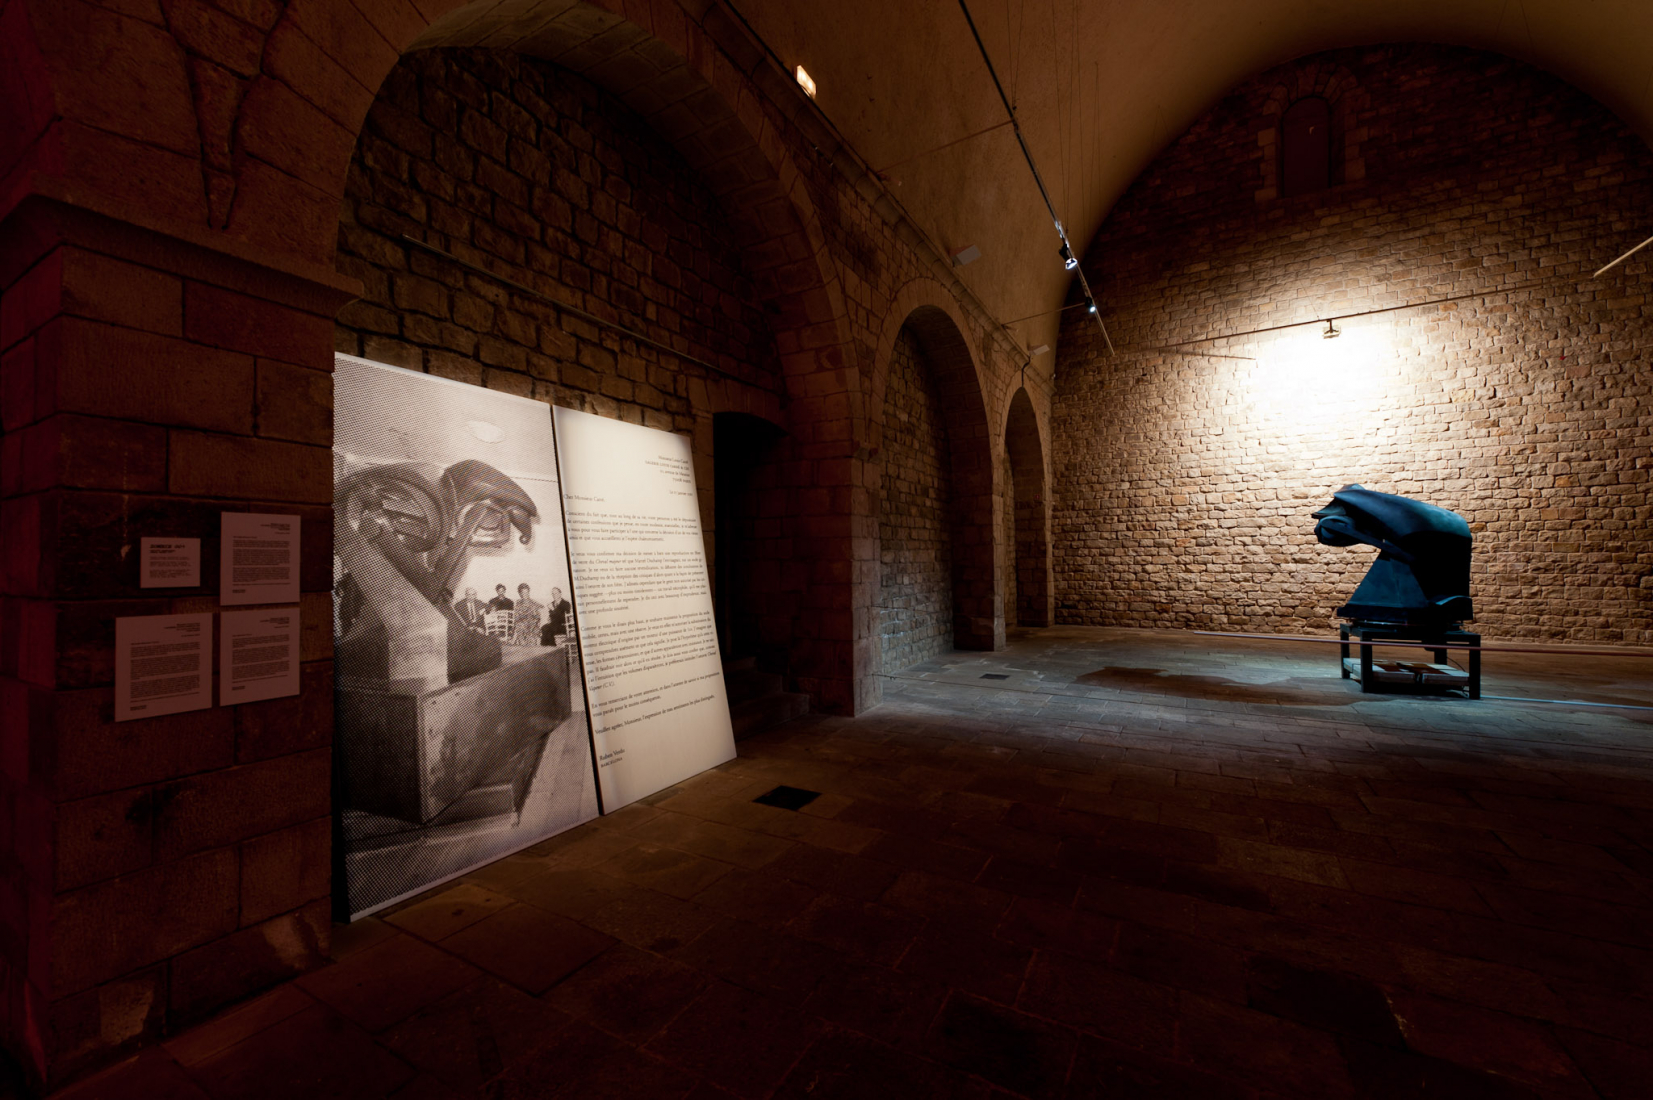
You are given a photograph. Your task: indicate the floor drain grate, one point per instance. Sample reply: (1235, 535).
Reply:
(994, 676)
(788, 798)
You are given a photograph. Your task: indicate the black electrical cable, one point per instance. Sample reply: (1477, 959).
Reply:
(1027, 154)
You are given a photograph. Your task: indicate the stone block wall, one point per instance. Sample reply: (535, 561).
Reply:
(915, 593)
(156, 869)
(504, 160)
(1185, 467)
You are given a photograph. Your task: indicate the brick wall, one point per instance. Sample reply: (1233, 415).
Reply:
(1184, 481)
(519, 166)
(915, 594)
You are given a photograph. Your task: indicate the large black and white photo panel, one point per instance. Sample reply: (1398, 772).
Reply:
(654, 675)
(460, 725)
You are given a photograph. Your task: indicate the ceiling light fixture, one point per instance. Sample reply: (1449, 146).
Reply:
(1090, 307)
(968, 254)
(806, 82)
(1332, 332)
(1067, 257)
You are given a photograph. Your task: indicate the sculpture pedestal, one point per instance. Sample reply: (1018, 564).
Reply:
(1425, 638)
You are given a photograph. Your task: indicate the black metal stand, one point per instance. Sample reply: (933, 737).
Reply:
(1400, 632)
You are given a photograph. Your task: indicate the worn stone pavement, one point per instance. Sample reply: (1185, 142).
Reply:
(1139, 864)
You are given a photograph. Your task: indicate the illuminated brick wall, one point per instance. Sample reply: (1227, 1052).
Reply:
(1184, 482)
(915, 595)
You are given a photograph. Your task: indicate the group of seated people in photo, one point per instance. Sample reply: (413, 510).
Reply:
(522, 621)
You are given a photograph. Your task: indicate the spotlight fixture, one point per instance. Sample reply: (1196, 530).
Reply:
(1040, 350)
(1067, 257)
(968, 254)
(1090, 304)
(806, 82)
(1332, 332)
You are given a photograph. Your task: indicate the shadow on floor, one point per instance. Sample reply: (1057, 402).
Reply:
(1294, 692)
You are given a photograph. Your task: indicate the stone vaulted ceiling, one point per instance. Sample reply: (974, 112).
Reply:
(1103, 85)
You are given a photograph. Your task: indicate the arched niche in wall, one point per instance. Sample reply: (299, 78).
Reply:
(936, 496)
(687, 91)
(1027, 566)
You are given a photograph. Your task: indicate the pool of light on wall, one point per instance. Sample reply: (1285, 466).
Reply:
(1302, 378)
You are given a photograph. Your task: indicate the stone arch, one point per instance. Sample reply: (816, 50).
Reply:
(926, 310)
(1028, 556)
(682, 79)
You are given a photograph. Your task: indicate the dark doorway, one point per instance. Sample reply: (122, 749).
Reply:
(741, 443)
(1306, 147)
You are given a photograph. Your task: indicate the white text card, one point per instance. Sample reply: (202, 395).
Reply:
(258, 655)
(163, 665)
(169, 563)
(258, 559)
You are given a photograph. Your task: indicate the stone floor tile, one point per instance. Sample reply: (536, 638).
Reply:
(921, 854)
(968, 959)
(1171, 958)
(652, 921)
(628, 993)
(1098, 999)
(583, 1063)
(389, 981)
(527, 946)
(426, 1087)
(238, 1023)
(892, 1007)
(759, 896)
(848, 876)
(735, 1038)
(1383, 1073)
(767, 960)
(151, 1075)
(1242, 1044)
(315, 1054)
(476, 1034)
(1027, 1056)
(664, 869)
(446, 912)
(1102, 1068)
(860, 929)
(1490, 1041)
(358, 936)
(1329, 1001)
(1618, 1070)
(845, 1066)
(947, 901)
(575, 892)
(1053, 884)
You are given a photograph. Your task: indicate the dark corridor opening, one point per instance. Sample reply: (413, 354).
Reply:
(741, 443)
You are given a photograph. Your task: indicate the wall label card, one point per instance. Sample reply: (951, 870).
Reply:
(169, 563)
(653, 672)
(258, 559)
(163, 665)
(258, 655)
